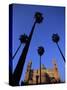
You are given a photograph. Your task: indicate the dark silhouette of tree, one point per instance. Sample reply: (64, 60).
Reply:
(23, 40)
(55, 39)
(40, 52)
(38, 17)
(19, 68)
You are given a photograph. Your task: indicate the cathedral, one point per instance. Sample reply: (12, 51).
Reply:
(48, 76)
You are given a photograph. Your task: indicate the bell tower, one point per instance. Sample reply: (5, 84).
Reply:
(55, 71)
(28, 71)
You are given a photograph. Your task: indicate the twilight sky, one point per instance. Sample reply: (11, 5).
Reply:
(54, 22)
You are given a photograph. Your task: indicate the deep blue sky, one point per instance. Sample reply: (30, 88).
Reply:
(54, 22)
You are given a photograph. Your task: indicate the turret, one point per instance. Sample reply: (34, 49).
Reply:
(28, 71)
(55, 70)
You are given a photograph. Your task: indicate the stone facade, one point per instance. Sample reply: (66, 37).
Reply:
(47, 75)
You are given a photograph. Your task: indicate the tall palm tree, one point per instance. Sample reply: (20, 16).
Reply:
(40, 52)
(55, 39)
(24, 38)
(19, 68)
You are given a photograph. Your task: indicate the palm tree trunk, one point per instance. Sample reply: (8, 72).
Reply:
(61, 52)
(19, 68)
(17, 51)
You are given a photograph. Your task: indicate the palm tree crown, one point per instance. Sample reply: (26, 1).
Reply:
(40, 50)
(23, 38)
(38, 17)
(55, 38)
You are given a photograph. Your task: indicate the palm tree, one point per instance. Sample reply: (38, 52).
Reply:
(19, 68)
(40, 52)
(55, 39)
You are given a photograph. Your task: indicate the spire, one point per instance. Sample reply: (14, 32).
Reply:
(29, 65)
(54, 63)
(55, 70)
